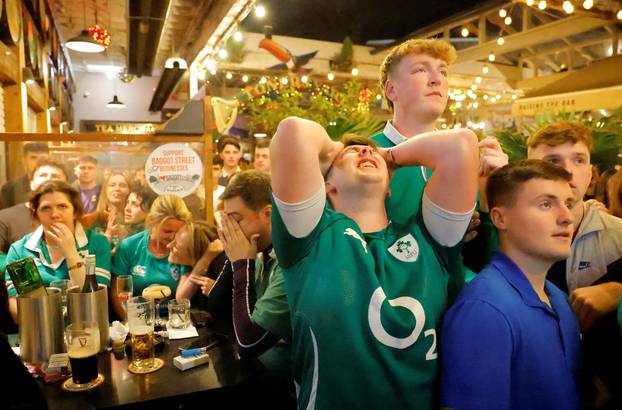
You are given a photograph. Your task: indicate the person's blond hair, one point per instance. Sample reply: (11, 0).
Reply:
(200, 235)
(560, 133)
(440, 49)
(167, 207)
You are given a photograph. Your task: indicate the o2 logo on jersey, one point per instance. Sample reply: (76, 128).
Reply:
(407, 302)
(405, 249)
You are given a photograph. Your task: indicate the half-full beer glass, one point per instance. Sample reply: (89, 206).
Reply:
(141, 319)
(82, 348)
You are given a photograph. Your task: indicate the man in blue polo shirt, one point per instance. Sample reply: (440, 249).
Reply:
(511, 341)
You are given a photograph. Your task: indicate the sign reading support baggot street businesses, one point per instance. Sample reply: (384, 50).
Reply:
(174, 169)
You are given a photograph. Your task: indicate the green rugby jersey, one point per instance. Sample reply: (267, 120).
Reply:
(365, 309)
(407, 185)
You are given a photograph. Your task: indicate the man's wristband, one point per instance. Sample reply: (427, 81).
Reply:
(392, 157)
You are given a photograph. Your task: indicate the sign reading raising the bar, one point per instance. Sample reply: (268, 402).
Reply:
(174, 169)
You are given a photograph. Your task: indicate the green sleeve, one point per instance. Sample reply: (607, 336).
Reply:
(2, 261)
(271, 310)
(12, 256)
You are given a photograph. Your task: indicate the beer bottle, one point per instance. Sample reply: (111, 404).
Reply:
(90, 283)
(26, 278)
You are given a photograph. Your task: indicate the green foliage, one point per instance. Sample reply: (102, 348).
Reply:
(606, 137)
(339, 110)
(342, 61)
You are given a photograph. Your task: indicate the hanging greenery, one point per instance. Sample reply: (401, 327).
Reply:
(339, 110)
(606, 136)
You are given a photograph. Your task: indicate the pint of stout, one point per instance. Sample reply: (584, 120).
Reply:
(82, 348)
(141, 320)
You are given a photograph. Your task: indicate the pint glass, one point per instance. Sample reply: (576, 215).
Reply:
(141, 319)
(82, 348)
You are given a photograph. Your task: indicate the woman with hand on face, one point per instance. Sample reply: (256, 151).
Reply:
(197, 245)
(60, 243)
(145, 255)
(108, 216)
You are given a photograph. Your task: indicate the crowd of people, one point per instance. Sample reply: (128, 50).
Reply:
(414, 269)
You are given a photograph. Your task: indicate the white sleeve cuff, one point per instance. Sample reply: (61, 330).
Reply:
(301, 218)
(446, 227)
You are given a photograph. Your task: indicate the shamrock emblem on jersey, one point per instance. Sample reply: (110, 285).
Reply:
(405, 249)
(351, 232)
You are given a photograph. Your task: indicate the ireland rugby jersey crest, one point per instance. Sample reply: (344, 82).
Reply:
(405, 249)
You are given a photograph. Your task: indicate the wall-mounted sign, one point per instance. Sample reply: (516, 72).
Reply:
(117, 127)
(174, 169)
(588, 100)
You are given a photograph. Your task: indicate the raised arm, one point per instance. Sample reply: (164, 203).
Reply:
(301, 153)
(453, 157)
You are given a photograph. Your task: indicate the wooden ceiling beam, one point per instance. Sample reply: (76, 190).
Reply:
(542, 34)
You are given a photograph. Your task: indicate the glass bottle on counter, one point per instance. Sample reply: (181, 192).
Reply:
(90, 281)
(26, 278)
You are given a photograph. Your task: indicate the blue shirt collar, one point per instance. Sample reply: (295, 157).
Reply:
(517, 279)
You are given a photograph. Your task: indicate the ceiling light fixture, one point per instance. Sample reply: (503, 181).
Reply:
(330, 76)
(491, 57)
(115, 103)
(27, 76)
(508, 20)
(260, 11)
(542, 4)
(568, 7)
(464, 32)
(502, 13)
(83, 42)
(485, 69)
(501, 41)
(588, 4)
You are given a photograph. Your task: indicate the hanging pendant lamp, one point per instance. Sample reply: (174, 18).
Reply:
(115, 103)
(84, 43)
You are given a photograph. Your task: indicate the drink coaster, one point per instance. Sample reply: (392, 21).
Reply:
(70, 386)
(157, 365)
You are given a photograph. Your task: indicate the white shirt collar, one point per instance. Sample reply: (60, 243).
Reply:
(393, 134)
(33, 242)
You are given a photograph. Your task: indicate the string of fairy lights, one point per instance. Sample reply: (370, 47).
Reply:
(462, 98)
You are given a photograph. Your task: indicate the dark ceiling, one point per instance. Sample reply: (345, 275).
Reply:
(362, 20)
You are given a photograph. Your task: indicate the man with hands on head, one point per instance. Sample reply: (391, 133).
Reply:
(366, 295)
